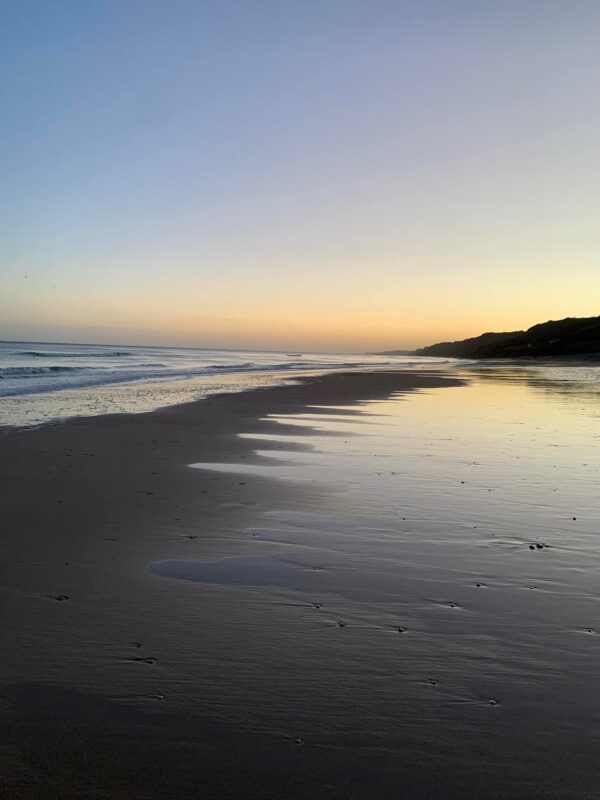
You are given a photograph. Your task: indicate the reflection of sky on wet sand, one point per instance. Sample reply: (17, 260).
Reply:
(467, 516)
(445, 574)
(574, 386)
(486, 470)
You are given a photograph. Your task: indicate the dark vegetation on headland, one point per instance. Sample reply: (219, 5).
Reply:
(563, 338)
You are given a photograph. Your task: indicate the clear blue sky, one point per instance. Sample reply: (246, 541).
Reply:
(333, 175)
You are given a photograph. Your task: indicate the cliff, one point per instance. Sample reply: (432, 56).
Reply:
(563, 338)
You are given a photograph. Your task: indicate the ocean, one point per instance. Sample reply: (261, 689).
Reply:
(41, 382)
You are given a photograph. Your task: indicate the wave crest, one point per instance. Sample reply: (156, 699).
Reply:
(61, 354)
(26, 372)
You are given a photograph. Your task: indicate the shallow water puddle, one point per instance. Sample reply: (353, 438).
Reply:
(266, 570)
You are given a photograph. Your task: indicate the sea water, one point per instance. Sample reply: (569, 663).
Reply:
(40, 382)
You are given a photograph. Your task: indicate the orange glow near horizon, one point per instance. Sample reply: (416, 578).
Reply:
(331, 323)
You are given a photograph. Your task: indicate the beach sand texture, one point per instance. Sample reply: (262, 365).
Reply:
(386, 587)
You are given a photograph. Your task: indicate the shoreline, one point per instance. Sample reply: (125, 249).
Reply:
(27, 404)
(273, 379)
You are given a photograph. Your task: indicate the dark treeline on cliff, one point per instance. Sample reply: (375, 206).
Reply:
(566, 337)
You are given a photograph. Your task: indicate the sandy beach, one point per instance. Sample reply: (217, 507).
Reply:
(372, 585)
(89, 633)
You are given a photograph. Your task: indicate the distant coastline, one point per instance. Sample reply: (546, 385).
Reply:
(573, 337)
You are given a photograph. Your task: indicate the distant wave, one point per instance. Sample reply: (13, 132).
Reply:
(28, 372)
(61, 354)
(247, 365)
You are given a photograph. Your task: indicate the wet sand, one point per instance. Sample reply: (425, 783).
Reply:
(358, 591)
(117, 683)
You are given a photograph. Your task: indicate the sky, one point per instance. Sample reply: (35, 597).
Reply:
(323, 175)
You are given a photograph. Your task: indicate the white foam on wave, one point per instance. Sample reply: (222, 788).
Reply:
(30, 372)
(35, 380)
